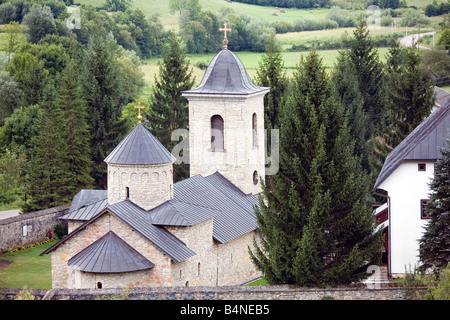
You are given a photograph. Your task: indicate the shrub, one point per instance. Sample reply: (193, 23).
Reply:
(442, 291)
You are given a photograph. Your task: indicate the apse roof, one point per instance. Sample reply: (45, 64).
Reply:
(140, 147)
(226, 74)
(109, 254)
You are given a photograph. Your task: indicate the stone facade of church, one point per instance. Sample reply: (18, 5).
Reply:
(214, 265)
(244, 153)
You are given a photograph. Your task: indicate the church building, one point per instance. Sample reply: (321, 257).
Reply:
(145, 230)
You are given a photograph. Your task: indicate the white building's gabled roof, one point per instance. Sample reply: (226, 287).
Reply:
(422, 144)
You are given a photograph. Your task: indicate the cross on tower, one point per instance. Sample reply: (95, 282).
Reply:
(139, 107)
(225, 41)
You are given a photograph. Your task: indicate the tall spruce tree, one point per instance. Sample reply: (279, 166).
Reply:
(168, 108)
(346, 86)
(49, 181)
(315, 222)
(369, 72)
(270, 73)
(409, 93)
(103, 92)
(435, 242)
(76, 130)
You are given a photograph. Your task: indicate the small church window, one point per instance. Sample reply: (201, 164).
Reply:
(422, 167)
(99, 285)
(127, 190)
(254, 130)
(255, 178)
(198, 268)
(217, 143)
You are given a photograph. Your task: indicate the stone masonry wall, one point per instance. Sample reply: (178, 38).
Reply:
(66, 277)
(240, 157)
(282, 292)
(29, 228)
(149, 185)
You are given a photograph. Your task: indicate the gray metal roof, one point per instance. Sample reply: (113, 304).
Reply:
(422, 143)
(176, 213)
(86, 212)
(86, 197)
(233, 210)
(442, 96)
(226, 74)
(109, 254)
(140, 147)
(141, 221)
(195, 199)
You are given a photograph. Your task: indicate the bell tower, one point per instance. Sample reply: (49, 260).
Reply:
(226, 123)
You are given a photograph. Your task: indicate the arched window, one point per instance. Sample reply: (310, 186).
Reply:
(99, 285)
(217, 133)
(127, 192)
(254, 130)
(198, 268)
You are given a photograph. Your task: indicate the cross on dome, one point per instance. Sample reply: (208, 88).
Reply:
(225, 40)
(139, 107)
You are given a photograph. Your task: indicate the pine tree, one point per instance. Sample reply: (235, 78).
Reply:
(315, 222)
(103, 92)
(369, 71)
(270, 74)
(410, 91)
(435, 242)
(346, 86)
(76, 130)
(168, 108)
(49, 183)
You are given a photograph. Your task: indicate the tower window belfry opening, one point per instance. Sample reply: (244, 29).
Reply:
(217, 128)
(255, 130)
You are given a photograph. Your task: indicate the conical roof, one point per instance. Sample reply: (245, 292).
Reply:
(140, 147)
(226, 74)
(109, 254)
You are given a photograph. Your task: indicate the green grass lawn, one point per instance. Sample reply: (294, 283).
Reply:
(27, 269)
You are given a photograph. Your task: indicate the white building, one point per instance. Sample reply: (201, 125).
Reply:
(405, 177)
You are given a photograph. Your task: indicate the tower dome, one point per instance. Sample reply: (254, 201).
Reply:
(226, 74)
(140, 169)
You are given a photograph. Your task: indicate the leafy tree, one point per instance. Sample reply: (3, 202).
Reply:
(117, 5)
(168, 108)
(19, 130)
(31, 75)
(104, 94)
(369, 72)
(11, 96)
(315, 224)
(14, 37)
(270, 73)
(435, 241)
(38, 22)
(410, 91)
(11, 168)
(444, 39)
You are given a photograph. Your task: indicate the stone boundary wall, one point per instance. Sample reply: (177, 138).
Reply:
(30, 227)
(217, 293)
